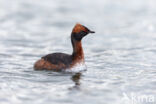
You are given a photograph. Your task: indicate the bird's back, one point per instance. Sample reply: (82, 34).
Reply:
(58, 58)
(54, 61)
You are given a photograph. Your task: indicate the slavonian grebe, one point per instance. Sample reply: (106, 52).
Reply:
(62, 61)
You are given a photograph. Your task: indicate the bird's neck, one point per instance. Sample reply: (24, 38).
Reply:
(77, 50)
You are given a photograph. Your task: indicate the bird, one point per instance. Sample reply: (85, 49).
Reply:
(62, 61)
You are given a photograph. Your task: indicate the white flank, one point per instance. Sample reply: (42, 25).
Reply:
(77, 68)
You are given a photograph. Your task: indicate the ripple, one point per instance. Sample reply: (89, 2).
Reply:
(120, 57)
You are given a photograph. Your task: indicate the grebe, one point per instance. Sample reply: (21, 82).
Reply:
(62, 61)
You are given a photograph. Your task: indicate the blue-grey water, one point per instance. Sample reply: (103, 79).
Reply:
(120, 57)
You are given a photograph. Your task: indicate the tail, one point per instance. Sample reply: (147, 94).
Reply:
(39, 65)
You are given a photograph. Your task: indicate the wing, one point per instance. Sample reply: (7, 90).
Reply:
(58, 58)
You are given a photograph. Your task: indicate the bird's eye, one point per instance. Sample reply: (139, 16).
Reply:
(83, 33)
(80, 35)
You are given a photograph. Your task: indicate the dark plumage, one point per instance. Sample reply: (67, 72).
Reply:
(57, 58)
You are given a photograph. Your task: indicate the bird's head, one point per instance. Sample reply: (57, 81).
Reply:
(79, 31)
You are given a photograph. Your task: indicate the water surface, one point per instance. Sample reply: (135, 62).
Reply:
(120, 57)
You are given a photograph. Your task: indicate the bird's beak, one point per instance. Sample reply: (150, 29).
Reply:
(91, 31)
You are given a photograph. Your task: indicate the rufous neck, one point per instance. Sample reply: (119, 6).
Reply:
(77, 50)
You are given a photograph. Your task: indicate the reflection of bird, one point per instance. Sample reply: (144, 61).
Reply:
(58, 61)
(76, 79)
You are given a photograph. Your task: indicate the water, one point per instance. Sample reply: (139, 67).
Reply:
(120, 57)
